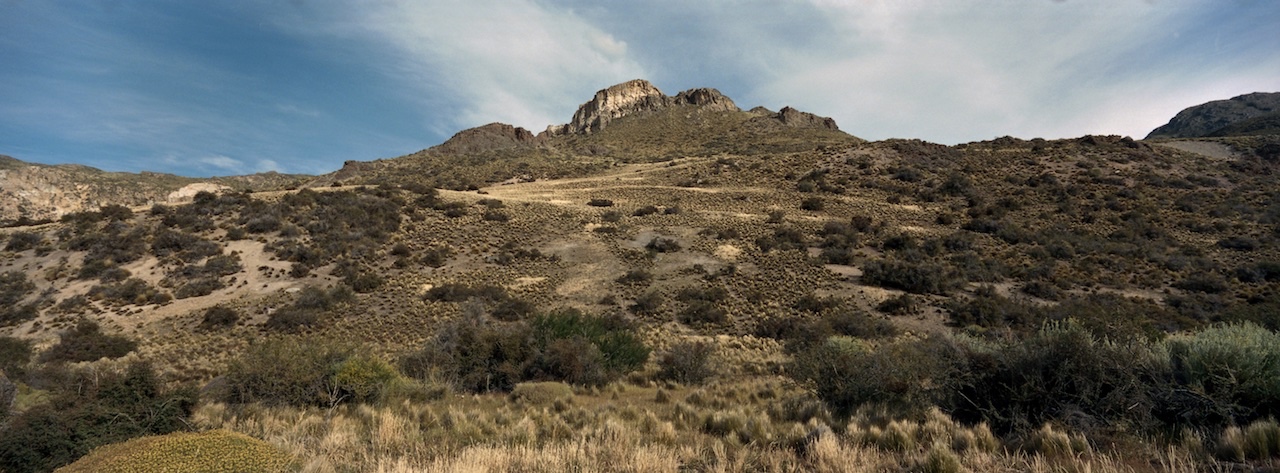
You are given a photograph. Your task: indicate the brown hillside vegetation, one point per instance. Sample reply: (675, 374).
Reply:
(688, 288)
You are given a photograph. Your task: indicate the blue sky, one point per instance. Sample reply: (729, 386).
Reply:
(235, 87)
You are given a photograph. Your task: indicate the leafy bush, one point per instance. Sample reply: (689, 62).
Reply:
(86, 342)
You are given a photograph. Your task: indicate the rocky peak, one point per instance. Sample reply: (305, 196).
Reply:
(795, 118)
(485, 138)
(633, 97)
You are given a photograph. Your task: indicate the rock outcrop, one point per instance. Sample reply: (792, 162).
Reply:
(795, 118)
(1208, 118)
(486, 138)
(636, 97)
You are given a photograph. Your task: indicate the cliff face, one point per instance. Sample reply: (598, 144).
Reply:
(1208, 118)
(635, 97)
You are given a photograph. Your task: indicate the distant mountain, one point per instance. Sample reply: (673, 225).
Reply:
(1232, 117)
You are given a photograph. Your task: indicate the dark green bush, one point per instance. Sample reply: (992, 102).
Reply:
(600, 203)
(14, 355)
(86, 342)
(648, 303)
(197, 288)
(94, 408)
(129, 291)
(635, 276)
(644, 211)
(812, 204)
(14, 286)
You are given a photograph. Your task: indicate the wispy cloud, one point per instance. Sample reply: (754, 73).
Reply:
(519, 62)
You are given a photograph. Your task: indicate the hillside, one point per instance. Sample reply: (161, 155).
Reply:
(1217, 118)
(683, 285)
(36, 192)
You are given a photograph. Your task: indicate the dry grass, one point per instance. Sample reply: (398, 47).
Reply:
(721, 428)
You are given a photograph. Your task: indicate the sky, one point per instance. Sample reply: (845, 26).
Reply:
(238, 86)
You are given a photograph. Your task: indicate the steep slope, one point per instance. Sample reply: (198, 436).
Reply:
(1207, 118)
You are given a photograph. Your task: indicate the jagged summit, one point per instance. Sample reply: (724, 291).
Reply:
(633, 97)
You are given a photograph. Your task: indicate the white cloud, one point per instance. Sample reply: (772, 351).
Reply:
(221, 162)
(517, 62)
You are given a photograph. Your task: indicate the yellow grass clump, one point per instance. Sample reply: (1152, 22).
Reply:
(215, 451)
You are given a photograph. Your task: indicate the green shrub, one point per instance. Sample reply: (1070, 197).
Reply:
(1235, 366)
(86, 342)
(363, 378)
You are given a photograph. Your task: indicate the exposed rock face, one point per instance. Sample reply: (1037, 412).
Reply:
(485, 138)
(1207, 118)
(789, 116)
(634, 97)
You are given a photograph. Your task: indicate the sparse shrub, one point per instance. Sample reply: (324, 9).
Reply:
(904, 304)
(635, 276)
(812, 204)
(130, 291)
(1239, 243)
(198, 288)
(988, 309)
(292, 319)
(920, 278)
(495, 216)
(663, 245)
(687, 362)
(644, 211)
(600, 203)
(908, 374)
(219, 316)
(287, 371)
(648, 303)
(14, 287)
(86, 342)
(611, 216)
(23, 241)
(700, 312)
(1209, 283)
